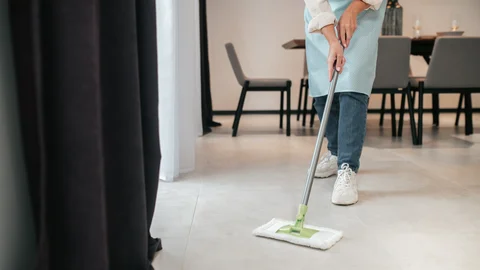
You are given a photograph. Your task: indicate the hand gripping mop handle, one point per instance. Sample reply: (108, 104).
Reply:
(321, 135)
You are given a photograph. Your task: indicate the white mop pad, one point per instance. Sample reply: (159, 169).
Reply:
(324, 239)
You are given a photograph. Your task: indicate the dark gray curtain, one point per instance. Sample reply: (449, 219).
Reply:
(87, 85)
(207, 110)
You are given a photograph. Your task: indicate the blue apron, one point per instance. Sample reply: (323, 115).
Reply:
(361, 55)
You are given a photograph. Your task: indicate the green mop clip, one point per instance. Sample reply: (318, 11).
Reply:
(298, 229)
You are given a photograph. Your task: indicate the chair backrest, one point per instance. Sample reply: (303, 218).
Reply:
(393, 62)
(455, 63)
(237, 68)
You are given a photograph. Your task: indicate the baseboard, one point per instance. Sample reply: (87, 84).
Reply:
(387, 111)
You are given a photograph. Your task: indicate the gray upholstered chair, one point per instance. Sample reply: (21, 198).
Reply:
(392, 75)
(257, 84)
(454, 68)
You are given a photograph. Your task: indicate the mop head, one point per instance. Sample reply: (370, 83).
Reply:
(314, 237)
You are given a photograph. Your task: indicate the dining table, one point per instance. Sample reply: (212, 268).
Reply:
(422, 46)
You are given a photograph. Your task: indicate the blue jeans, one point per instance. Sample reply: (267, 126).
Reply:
(347, 125)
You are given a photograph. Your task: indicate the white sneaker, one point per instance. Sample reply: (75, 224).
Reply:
(327, 166)
(345, 189)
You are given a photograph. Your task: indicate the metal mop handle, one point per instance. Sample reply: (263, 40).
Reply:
(321, 135)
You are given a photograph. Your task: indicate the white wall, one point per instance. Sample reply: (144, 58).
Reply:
(16, 229)
(179, 109)
(258, 28)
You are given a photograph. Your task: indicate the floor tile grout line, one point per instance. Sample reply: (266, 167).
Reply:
(190, 231)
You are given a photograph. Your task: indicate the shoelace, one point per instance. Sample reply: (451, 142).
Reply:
(344, 174)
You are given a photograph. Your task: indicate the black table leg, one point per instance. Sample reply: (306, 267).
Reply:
(300, 94)
(420, 114)
(412, 116)
(313, 112)
(427, 57)
(459, 109)
(382, 109)
(305, 105)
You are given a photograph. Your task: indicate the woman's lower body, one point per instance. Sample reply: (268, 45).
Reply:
(346, 126)
(346, 129)
(347, 121)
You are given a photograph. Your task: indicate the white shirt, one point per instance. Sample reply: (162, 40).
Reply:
(322, 14)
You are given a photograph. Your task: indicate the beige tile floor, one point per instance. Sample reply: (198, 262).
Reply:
(419, 207)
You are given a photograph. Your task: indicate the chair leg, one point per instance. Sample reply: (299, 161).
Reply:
(411, 112)
(468, 114)
(402, 113)
(436, 107)
(305, 107)
(281, 108)
(299, 107)
(382, 109)
(459, 109)
(394, 116)
(288, 108)
(239, 111)
(313, 112)
(420, 114)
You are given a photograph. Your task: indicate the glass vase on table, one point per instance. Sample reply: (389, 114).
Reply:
(417, 28)
(455, 26)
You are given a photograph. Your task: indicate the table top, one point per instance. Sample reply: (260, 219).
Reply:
(295, 44)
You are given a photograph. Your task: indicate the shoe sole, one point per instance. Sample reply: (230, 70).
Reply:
(325, 174)
(344, 204)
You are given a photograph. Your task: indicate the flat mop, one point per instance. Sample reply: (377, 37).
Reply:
(297, 232)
